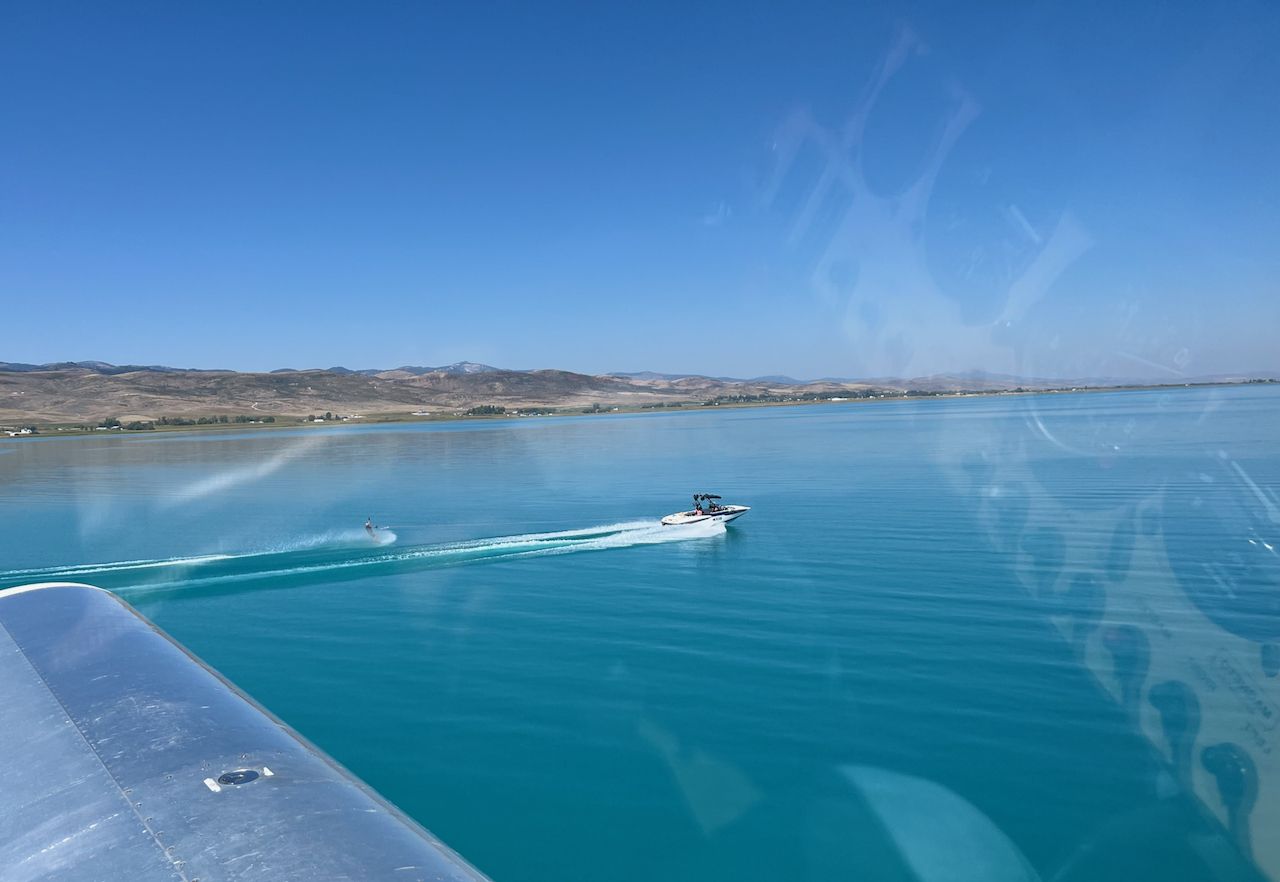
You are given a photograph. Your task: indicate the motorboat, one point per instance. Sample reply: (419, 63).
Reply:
(706, 507)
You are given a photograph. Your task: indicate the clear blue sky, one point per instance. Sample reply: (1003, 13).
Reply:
(1055, 189)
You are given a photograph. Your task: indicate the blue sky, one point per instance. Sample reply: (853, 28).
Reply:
(1050, 189)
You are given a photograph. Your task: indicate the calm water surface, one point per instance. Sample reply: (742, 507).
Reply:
(946, 639)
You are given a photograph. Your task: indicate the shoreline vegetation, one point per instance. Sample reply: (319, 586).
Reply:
(34, 428)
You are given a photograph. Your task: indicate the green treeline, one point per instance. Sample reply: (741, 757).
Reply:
(212, 420)
(150, 425)
(797, 396)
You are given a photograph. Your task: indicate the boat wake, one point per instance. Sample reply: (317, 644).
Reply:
(349, 553)
(352, 537)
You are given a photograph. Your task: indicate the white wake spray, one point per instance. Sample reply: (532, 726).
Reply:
(345, 549)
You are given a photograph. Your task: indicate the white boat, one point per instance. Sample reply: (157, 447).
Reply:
(706, 507)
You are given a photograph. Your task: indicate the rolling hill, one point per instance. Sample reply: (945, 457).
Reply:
(73, 392)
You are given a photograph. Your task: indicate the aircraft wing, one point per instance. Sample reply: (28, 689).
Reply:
(126, 758)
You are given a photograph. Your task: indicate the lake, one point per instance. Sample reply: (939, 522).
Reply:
(1005, 637)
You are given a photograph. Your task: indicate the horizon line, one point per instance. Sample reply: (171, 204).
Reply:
(974, 373)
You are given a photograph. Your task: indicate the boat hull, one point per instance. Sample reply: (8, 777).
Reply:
(724, 515)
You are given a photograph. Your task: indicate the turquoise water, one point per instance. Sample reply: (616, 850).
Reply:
(934, 644)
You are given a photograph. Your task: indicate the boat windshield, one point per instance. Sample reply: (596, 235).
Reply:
(969, 311)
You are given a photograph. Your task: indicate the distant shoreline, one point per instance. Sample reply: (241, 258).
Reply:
(49, 429)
